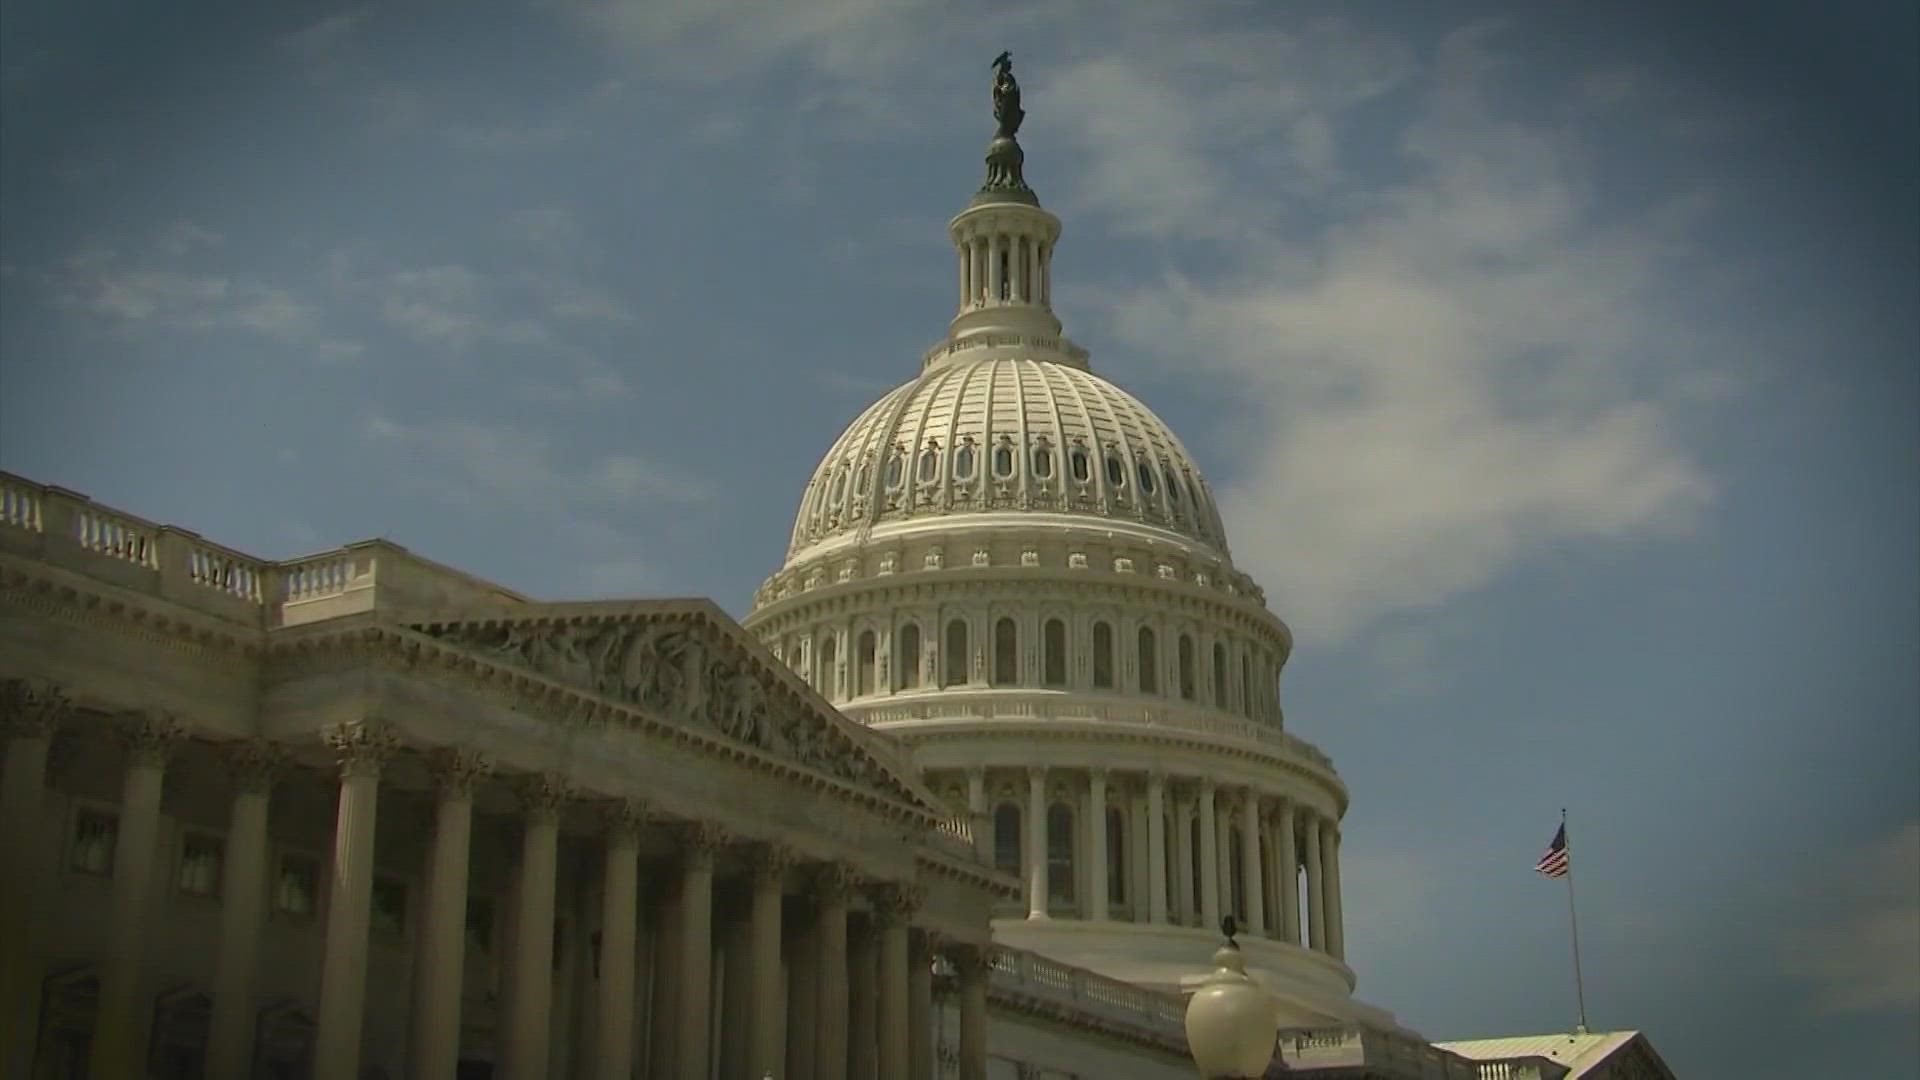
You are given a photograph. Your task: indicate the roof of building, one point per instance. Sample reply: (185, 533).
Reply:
(1579, 1051)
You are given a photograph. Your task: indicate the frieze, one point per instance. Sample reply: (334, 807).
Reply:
(677, 670)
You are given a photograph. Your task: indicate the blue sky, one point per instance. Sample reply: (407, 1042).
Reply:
(1557, 374)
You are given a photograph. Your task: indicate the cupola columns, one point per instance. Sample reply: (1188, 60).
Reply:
(1006, 270)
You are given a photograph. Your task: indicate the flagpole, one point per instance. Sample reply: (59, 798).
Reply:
(1573, 918)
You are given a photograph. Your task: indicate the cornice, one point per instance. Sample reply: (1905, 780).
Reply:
(51, 592)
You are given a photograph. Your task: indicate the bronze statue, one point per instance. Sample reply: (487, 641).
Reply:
(1006, 98)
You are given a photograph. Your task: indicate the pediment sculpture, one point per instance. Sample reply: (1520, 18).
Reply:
(674, 669)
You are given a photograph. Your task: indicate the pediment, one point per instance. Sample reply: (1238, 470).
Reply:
(685, 663)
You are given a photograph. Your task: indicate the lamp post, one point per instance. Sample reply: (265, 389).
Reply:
(1230, 1018)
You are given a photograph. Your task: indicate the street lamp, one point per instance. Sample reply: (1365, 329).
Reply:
(1230, 1018)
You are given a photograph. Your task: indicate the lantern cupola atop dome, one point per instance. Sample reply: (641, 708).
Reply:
(1005, 242)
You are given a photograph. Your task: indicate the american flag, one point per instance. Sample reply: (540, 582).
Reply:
(1554, 862)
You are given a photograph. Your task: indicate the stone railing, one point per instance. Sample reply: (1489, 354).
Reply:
(1383, 1053)
(1030, 979)
(68, 530)
(1527, 1068)
(1014, 710)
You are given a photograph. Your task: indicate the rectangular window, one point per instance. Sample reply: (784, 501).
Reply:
(201, 857)
(296, 885)
(94, 835)
(388, 913)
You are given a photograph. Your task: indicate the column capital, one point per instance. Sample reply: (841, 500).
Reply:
(1097, 772)
(1036, 774)
(832, 882)
(254, 764)
(456, 770)
(31, 708)
(978, 772)
(769, 863)
(361, 746)
(151, 738)
(624, 817)
(543, 795)
(894, 903)
(700, 841)
(1206, 786)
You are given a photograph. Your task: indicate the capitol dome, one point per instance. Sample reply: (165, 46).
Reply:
(1017, 437)
(1017, 571)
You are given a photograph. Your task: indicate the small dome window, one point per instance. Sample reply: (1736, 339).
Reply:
(1042, 460)
(840, 487)
(1003, 459)
(1077, 460)
(1116, 472)
(895, 468)
(929, 464)
(860, 479)
(1173, 486)
(963, 462)
(1146, 478)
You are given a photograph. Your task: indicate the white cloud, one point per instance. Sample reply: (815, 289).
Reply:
(472, 462)
(1457, 369)
(1866, 959)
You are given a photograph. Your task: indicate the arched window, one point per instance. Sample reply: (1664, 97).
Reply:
(1006, 839)
(1146, 478)
(894, 470)
(956, 667)
(1186, 667)
(1042, 460)
(929, 465)
(864, 676)
(1059, 854)
(839, 487)
(1006, 653)
(1149, 663)
(1102, 656)
(1077, 460)
(860, 480)
(1173, 486)
(1054, 641)
(1219, 675)
(826, 670)
(907, 658)
(963, 462)
(1116, 472)
(1116, 856)
(1003, 459)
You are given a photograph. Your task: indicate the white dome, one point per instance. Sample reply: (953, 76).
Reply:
(1022, 437)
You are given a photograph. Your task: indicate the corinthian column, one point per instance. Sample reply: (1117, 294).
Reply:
(243, 898)
(764, 1051)
(1287, 874)
(1036, 842)
(363, 749)
(1157, 846)
(863, 1012)
(1097, 835)
(30, 714)
(893, 906)
(830, 942)
(1210, 858)
(619, 916)
(443, 951)
(919, 1006)
(699, 844)
(1330, 867)
(1316, 889)
(1253, 883)
(972, 964)
(531, 1002)
(120, 1015)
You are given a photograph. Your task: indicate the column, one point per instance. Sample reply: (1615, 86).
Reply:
(1254, 879)
(531, 1001)
(363, 749)
(893, 906)
(993, 269)
(619, 921)
(830, 958)
(699, 843)
(919, 1006)
(1137, 860)
(803, 978)
(972, 964)
(977, 281)
(1223, 849)
(30, 714)
(863, 1034)
(1330, 907)
(1183, 860)
(663, 1021)
(243, 901)
(735, 1021)
(1097, 835)
(1157, 846)
(765, 1055)
(1288, 875)
(1316, 894)
(1036, 842)
(1210, 858)
(963, 275)
(1033, 270)
(977, 809)
(443, 946)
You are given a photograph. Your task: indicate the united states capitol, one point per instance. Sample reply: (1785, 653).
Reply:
(966, 794)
